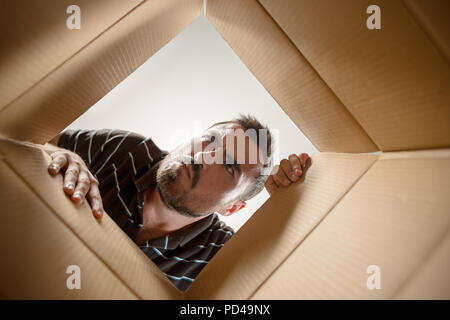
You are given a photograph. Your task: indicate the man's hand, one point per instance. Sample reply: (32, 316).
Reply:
(78, 180)
(289, 171)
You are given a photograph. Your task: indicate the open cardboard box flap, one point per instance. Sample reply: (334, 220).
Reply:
(349, 89)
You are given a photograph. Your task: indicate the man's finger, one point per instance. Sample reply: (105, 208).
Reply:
(71, 178)
(296, 165)
(95, 201)
(281, 178)
(92, 178)
(303, 158)
(288, 170)
(270, 185)
(57, 163)
(274, 172)
(83, 185)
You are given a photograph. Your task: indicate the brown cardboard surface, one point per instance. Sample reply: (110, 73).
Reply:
(107, 244)
(394, 81)
(287, 76)
(278, 227)
(338, 81)
(35, 39)
(416, 154)
(432, 278)
(72, 88)
(37, 248)
(393, 217)
(433, 18)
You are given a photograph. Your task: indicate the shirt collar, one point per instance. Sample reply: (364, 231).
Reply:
(181, 237)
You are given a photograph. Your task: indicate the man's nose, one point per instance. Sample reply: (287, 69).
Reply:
(203, 154)
(203, 158)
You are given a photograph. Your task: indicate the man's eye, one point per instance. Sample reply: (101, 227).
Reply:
(209, 138)
(230, 168)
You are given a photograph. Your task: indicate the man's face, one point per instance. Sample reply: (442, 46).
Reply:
(209, 171)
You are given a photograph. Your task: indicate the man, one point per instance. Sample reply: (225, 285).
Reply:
(167, 203)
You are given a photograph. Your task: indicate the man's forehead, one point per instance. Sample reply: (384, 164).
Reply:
(228, 126)
(227, 131)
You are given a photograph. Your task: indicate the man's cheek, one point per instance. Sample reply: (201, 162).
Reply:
(213, 179)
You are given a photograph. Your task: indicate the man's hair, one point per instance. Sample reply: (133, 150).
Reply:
(249, 122)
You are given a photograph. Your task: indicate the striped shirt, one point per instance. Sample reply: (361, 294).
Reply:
(125, 165)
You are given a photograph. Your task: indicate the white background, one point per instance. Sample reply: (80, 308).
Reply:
(191, 83)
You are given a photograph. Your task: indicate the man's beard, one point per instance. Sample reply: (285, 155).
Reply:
(166, 182)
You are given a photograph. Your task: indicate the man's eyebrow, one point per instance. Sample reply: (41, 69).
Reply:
(213, 131)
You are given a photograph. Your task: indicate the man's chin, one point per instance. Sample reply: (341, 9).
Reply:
(171, 202)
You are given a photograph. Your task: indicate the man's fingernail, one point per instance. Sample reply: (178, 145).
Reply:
(70, 186)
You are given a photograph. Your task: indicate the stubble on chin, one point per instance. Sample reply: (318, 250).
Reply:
(166, 183)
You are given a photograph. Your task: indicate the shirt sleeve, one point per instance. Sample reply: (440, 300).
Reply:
(91, 144)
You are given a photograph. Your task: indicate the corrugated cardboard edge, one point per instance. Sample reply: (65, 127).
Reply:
(62, 96)
(263, 237)
(93, 16)
(16, 148)
(393, 81)
(340, 280)
(290, 79)
(35, 261)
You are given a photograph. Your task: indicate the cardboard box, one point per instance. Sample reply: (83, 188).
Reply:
(376, 103)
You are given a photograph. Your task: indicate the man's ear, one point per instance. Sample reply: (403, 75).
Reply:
(235, 207)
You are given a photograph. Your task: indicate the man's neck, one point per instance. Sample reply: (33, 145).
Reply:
(158, 219)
